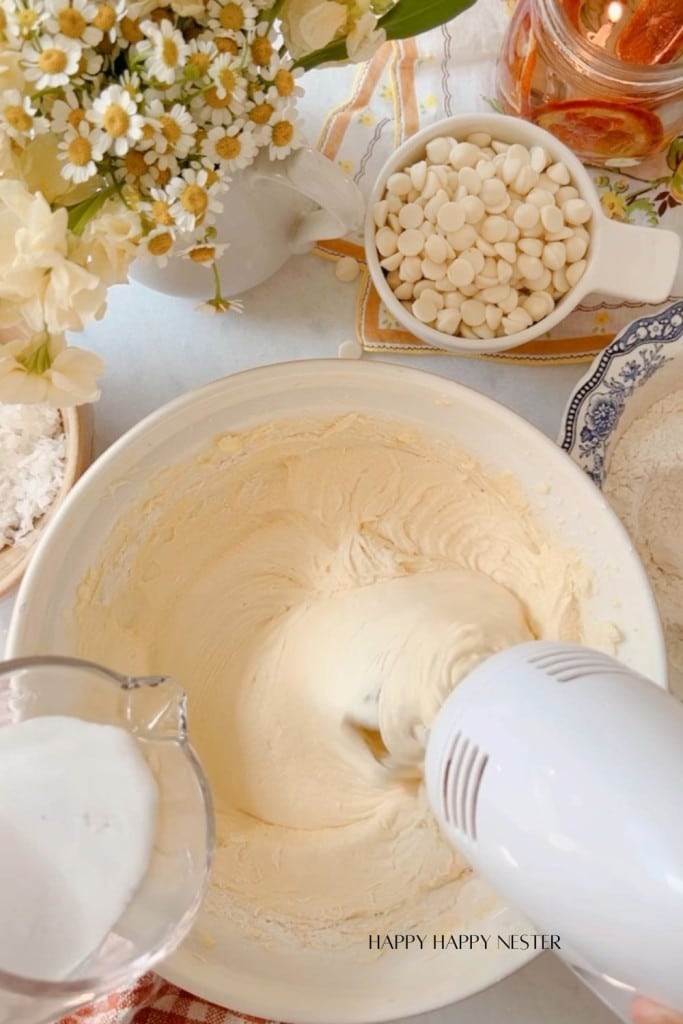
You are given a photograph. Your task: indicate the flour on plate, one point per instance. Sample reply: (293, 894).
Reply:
(645, 487)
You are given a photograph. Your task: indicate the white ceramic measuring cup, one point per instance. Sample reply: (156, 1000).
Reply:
(623, 260)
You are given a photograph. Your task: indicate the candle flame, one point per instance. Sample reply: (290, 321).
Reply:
(615, 9)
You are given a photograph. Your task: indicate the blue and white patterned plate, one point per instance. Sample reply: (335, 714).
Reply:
(632, 373)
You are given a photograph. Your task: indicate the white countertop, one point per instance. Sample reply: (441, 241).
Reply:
(156, 347)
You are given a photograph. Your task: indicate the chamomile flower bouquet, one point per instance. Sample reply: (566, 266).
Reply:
(121, 124)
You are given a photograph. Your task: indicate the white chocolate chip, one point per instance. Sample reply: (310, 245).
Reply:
(565, 193)
(485, 247)
(531, 246)
(538, 158)
(554, 255)
(347, 269)
(494, 229)
(404, 290)
(392, 262)
(410, 269)
(464, 154)
(507, 250)
(380, 211)
(448, 320)
(418, 175)
(461, 272)
(575, 248)
(424, 310)
(480, 139)
(451, 216)
(399, 184)
(433, 271)
(474, 209)
(540, 197)
(476, 259)
(386, 241)
(462, 239)
(439, 150)
(436, 248)
(559, 173)
(473, 312)
(494, 315)
(411, 242)
(576, 211)
(470, 181)
(574, 272)
(494, 194)
(526, 216)
(525, 180)
(411, 215)
(551, 218)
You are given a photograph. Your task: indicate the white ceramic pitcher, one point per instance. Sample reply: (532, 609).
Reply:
(272, 210)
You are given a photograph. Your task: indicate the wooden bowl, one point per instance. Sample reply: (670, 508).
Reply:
(78, 427)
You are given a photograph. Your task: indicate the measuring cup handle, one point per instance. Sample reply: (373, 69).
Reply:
(635, 263)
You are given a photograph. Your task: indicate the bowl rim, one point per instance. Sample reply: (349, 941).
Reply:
(176, 969)
(528, 134)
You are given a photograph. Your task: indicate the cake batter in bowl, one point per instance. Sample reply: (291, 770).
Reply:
(280, 542)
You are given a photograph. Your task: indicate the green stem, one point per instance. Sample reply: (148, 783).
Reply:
(80, 214)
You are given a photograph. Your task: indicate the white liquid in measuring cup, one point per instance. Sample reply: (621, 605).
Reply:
(78, 810)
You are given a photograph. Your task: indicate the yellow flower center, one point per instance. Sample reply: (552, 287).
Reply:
(115, 121)
(3, 21)
(170, 129)
(148, 132)
(200, 62)
(228, 147)
(79, 152)
(135, 163)
(52, 61)
(283, 133)
(162, 176)
(227, 80)
(160, 244)
(105, 18)
(18, 119)
(161, 213)
(261, 113)
(169, 52)
(214, 100)
(284, 82)
(224, 44)
(231, 17)
(203, 254)
(71, 23)
(26, 19)
(262, 51)
(74, 117)
(130, 30)
(195, 200)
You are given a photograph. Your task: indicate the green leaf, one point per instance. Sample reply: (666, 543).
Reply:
(81, 213)
(411, 17)
(405, 18)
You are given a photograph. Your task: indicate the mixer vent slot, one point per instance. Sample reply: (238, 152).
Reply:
(567, 666)
(465, 768)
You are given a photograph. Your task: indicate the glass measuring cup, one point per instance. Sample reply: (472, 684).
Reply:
(164, 907)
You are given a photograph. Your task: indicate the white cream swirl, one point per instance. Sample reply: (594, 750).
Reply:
(278, 576)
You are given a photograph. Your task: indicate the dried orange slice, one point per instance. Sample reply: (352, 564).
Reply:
(654, 33)
(602, 129)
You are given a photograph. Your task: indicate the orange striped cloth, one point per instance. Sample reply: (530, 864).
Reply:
(154, 1001)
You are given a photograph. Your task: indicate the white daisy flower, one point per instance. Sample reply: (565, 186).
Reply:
(130, 81)
(165, 164)
(159, 243)
(284, 135)
(173, 129)
(227, 75)
(165, 51)
(221, 305)
(137, 171)
(157, 209)
(262, 48)
(80, 153)
(91, 64)
(281, 77)
(201, 54)
(116, 115)
(74, 20)
(53, 65)
(235, 17)
(233, 147)
(19, 118)
(23, 22)
(66, 112)
(262, 110)
(204, 254)
(194, 199)
(107, 17)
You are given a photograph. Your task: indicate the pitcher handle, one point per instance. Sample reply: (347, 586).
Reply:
(636, 262)
(340, 203)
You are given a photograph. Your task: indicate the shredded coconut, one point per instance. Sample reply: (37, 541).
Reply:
(32, 467)
(645, 488)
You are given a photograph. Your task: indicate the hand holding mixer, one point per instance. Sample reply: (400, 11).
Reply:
(556, 770)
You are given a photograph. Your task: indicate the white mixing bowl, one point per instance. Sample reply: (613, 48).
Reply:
(305, 985)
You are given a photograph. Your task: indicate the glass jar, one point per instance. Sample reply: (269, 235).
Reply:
(609, 111)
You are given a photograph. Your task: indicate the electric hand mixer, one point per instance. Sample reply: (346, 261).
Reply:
(558, 772)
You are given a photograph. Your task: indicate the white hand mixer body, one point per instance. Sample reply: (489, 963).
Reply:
(557, 771)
